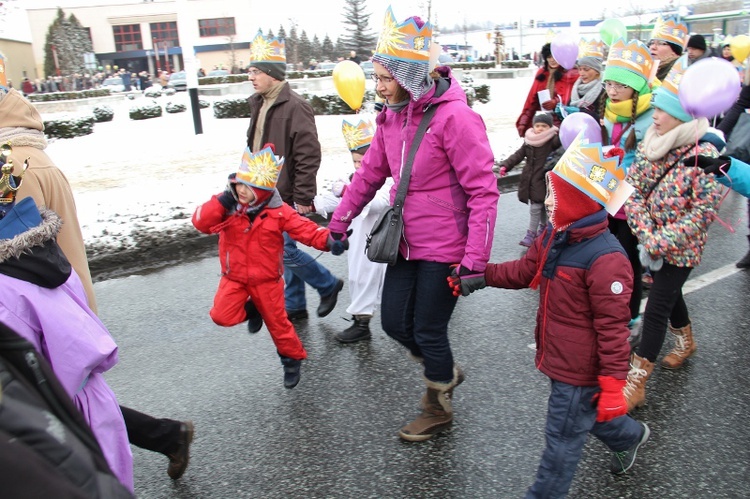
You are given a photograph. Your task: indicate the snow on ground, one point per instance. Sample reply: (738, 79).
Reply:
(135, 180)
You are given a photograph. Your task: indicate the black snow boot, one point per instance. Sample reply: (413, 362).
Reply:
(254, 320)
(291, 371)
(359, 330)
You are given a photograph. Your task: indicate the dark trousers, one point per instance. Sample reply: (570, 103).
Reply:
(571, 416)
(147, 432)
(665, 303)
(621, 230)
(416, 307)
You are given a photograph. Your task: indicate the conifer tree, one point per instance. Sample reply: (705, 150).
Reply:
(359, 37)
(70, 41)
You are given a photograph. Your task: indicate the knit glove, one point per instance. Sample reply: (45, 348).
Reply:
(503, 171)
(463, 281)
(338, 242)
(649, 261)
(611, 401)
(228, 198)
(549, 105)
(718, 166)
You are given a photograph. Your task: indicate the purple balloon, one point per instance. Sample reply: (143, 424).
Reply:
(565, 50)
(575, 123)
(709, 87)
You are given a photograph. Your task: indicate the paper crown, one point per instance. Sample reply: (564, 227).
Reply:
(260, 169)
(591, 48)
(632, 57)
(264, 49)
(670, 31)
(667, 97)
(584, 166)
(405, 41)
(359, 135)
(9, 183)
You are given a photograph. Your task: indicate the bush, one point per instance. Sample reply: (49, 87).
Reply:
(69, 127)
(482, 93)
(203, 104)
(515, 64)
(172, 108)
(103, 113)
(215, 80)
(83, 94)
(168, 91)
(152, 92)
(232, 108)
(146, 111)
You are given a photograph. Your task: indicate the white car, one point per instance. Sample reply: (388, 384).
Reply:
(114, 84)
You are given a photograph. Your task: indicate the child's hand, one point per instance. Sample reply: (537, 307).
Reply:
(228, 198)
(503, 171)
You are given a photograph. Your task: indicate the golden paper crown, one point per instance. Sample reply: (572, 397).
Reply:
(671, 82)
(670, 31)
(264, 49)
(406, 41)
(359, 135)
(602, 179)
(260, 169)
(632, 56)
(591, 48)
(9, 183)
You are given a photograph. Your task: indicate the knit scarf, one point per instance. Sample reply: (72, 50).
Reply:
(23, 137)
(269, 98)
(585, 94)
(656, 147)
(538, 139)
(620, 112)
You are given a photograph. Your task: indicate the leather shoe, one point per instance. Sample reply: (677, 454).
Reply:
(328, 303)
(179, 459)
(294, 315)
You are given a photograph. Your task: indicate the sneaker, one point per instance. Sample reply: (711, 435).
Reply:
(745, 262)
(623, 461)
(328, 303)
(528, 238)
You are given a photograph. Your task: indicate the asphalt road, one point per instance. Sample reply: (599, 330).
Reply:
(334, 436)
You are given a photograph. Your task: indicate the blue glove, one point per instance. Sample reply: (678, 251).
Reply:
(464, 281)
(228, 198)
(338, 242)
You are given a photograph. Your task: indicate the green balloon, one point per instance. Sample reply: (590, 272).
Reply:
(612, 30)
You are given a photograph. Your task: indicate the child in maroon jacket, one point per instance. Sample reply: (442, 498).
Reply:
(581, 334)
(250, 217)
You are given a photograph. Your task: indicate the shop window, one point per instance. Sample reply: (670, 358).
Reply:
(223, 26)
(128, 37)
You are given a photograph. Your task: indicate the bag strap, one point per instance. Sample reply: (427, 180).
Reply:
(403, 184)
(664, 174)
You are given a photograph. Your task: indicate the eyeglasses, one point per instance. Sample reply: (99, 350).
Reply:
(614, 86)
(657, 43)
(255, 72)
(385, 79)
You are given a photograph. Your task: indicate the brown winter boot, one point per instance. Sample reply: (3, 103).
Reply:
(437, 412)
(635, 388)
(684, 347)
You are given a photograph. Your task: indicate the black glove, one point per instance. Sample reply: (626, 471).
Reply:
(228, 198)
(464, 281)
(338, 242)
(718, 166)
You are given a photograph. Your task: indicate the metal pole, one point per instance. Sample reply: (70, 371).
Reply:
(188, 58)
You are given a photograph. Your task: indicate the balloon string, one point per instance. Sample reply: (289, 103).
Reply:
(724, 194)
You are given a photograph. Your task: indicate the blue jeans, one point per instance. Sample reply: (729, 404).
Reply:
(301, 268)
(416, 307)
(571, 415)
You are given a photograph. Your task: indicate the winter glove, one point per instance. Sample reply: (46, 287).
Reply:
(463, 281)
(615, 151)
(339, 187)
(503, 171)
(649, 261)
(718, 166)
(611, 401)
(563, 111)
(338, 242)
(228, 198)
(549, 105)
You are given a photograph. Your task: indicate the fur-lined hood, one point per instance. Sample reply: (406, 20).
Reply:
(36, 236)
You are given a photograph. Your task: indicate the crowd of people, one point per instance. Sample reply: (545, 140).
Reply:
(428, 152)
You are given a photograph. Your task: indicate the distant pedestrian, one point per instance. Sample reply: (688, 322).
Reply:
(541, 146)
(251, 220)
(581, 335)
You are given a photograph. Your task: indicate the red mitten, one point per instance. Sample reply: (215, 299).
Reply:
(612, 403)
(549, 105)
(615, 151)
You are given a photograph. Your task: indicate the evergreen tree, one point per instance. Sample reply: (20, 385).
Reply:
(71, 41)
(282, 33)
(360, 37)
(328, 50)
(270, 35)
(292, 47)
(317, 50)
(340, 49)
(305, 47)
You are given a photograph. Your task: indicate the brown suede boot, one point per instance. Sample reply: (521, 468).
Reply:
(635, 388)
(437, 412)
(684, 347)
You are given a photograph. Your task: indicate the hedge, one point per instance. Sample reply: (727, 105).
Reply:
(69, 127)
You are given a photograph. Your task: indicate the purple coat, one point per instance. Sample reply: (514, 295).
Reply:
(451, 204)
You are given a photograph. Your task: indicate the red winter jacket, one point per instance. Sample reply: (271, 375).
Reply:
(252, 252)
(582, 320)
(563, 88)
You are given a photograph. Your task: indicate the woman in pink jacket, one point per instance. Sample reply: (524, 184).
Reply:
(449, 211)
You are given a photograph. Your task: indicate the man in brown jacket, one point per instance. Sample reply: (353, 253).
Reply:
(281, 117)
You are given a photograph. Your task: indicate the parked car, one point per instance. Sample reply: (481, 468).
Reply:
(326, 66)
(114, 84)
(218, 72)
(368, 68)
(178, 81)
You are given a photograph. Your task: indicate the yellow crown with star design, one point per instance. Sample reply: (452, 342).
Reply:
(264, 49)
(357, 135)
(591, 48)
(602, 179)
(670, 31)
(260, 169)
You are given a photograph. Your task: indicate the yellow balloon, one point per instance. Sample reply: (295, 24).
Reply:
(349, 80)
(740, 46)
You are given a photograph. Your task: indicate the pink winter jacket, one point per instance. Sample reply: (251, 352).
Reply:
(451, 204)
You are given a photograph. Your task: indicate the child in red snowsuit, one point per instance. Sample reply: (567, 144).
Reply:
(250, 217)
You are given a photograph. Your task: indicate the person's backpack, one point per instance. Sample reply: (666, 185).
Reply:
(46, 447)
